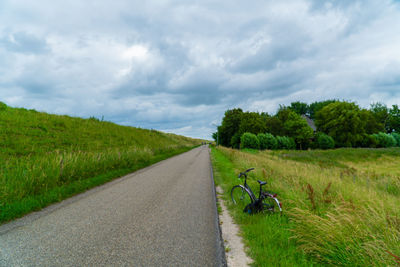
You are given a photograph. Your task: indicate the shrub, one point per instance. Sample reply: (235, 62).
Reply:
(3, 106)
(385, 140)
(291, 143)
(235, 141)
(280, 142)
(267, 141)
(324, 141)
(369, 141)
(261, 139)
(285, 142)
(249, 140)
(396, 136)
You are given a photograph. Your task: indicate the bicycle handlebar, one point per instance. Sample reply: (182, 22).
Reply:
(244, 173)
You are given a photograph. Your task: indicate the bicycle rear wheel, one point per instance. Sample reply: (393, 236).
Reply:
(271, 205)
(240, 196)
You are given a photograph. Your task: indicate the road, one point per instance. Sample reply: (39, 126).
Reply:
(163, 215)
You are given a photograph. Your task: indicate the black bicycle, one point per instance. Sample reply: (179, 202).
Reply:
(243, 196)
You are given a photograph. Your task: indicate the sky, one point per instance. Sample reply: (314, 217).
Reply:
(177, 66)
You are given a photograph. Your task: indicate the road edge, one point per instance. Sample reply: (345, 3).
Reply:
(220, 242)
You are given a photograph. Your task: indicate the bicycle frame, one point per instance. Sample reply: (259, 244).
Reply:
(262, 194)
(248, 189)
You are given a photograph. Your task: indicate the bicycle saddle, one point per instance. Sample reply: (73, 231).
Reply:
(261, 182)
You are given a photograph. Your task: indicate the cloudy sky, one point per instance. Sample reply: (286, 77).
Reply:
(178, 65)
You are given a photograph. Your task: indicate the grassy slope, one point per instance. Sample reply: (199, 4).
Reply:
(45, 158)
(341, 206)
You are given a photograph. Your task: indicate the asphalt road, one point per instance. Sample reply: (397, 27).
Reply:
(163, 215)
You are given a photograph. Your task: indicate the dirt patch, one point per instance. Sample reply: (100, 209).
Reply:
(234, 248)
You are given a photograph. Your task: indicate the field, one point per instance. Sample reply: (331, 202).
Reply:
(46, 158)
(341, 207)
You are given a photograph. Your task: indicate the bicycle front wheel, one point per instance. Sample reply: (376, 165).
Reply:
(240, 196)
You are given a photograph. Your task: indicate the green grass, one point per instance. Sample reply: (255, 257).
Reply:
(45, 158)
(341, 207)
(267, 237)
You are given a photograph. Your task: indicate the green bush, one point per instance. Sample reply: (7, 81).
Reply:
(368, 141)
(385, 140)
(324, 141)
(262, 140)
(285, 142)
(280, 142)
(396, 136)
(291, 142)
(267, 141)
(249, 140)
(3, 106)
(235, 141)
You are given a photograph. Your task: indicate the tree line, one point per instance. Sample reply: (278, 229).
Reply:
(337, 124)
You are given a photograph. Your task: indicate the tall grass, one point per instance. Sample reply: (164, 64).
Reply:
(45, 158)
(339, 211)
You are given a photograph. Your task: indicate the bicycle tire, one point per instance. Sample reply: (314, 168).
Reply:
(240, 196)
(271, 205)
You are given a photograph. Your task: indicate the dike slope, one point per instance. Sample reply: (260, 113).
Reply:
(45, 158)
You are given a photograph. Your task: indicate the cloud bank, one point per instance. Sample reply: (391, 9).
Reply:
(178, 65)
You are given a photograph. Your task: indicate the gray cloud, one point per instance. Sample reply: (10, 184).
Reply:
(22, 42)
(177, 65)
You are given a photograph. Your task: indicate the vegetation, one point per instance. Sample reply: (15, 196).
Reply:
(396, 136)
(298, 128)
(267, 141)
(249, 140)
(325, 141)
(285, 142)
(45, 158)
(345, 122)
(340, 206)
(384, 140)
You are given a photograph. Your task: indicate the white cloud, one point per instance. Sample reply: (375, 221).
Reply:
(179, 65)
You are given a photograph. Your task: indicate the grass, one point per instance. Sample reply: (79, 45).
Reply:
(45, 158)
(341, 207)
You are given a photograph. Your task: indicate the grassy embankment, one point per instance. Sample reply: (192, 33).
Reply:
(46, 158)
(341, 207)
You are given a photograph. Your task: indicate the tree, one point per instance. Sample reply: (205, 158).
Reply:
(299, 107)
(283, 113)
(343, 122)
(215, 136)
(298, 128)
(313, 108)
(394, 119)
(274, 126)
(229, 126)
(381, 114)
(252, 122)
(371, 124)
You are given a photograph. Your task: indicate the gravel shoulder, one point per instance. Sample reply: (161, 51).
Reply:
(234, 247)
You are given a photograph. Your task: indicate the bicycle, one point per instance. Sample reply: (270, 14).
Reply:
(266, 201)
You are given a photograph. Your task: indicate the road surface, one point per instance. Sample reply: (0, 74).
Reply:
(163, 215)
